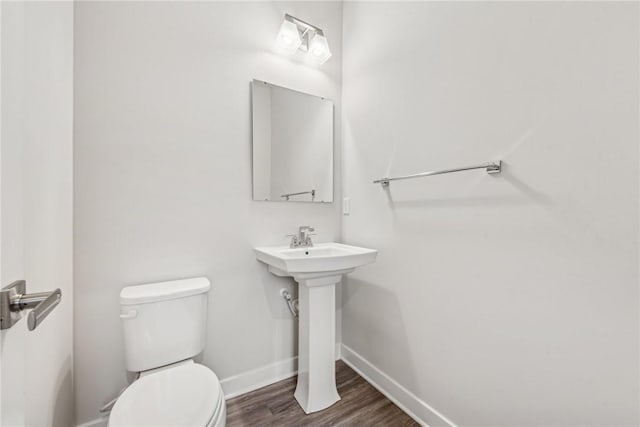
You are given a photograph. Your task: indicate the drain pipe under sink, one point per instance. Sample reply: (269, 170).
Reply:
(292, 303)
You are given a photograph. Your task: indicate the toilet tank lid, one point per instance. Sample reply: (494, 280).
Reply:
(152, 292)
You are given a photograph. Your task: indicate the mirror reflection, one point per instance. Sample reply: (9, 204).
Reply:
(292, 145)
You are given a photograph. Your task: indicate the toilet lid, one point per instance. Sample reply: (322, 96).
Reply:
(186, 395)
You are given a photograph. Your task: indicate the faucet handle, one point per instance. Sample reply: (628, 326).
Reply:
(308, 241)
(294, 240)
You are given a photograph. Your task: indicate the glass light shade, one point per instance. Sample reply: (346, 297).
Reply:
(288, 37)
(319, 49)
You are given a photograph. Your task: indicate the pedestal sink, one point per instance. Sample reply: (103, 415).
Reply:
(317, 269)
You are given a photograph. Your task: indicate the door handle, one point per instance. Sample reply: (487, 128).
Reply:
(14, 299)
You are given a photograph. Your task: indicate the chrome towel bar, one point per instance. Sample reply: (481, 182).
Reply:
(14, 299)
(312, 192)
(491, 168)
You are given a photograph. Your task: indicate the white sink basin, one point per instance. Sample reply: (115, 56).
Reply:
(317, 269)
(323, 259)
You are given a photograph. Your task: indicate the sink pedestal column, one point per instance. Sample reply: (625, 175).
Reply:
(316, 387)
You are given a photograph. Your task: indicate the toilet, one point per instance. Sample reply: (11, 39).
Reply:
(164, 328)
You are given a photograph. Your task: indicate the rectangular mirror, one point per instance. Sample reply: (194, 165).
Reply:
(292, 145)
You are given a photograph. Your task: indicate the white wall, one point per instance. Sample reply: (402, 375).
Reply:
(509, 300)
(163, 173)
(37, 125)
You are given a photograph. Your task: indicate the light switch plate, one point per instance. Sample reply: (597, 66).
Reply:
(346, 206)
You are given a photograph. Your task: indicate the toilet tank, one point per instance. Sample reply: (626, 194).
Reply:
(164, 322)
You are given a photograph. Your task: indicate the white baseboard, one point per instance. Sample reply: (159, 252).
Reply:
(258, 378)
(261, 377)
(394, 391)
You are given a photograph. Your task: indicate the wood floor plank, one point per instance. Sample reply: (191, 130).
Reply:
(360, 405)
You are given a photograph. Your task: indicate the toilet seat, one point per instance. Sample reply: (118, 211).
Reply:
(185, 395)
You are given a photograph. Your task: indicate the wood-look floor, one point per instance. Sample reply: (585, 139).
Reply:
(274, 405)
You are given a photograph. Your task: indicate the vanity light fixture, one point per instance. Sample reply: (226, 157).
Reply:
(296, 34)
(319, 49)
(289, 38)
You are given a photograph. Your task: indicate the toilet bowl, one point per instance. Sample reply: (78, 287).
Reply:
(183, 395)
(164, 327)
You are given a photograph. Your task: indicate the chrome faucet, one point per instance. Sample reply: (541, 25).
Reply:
(303, 238)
